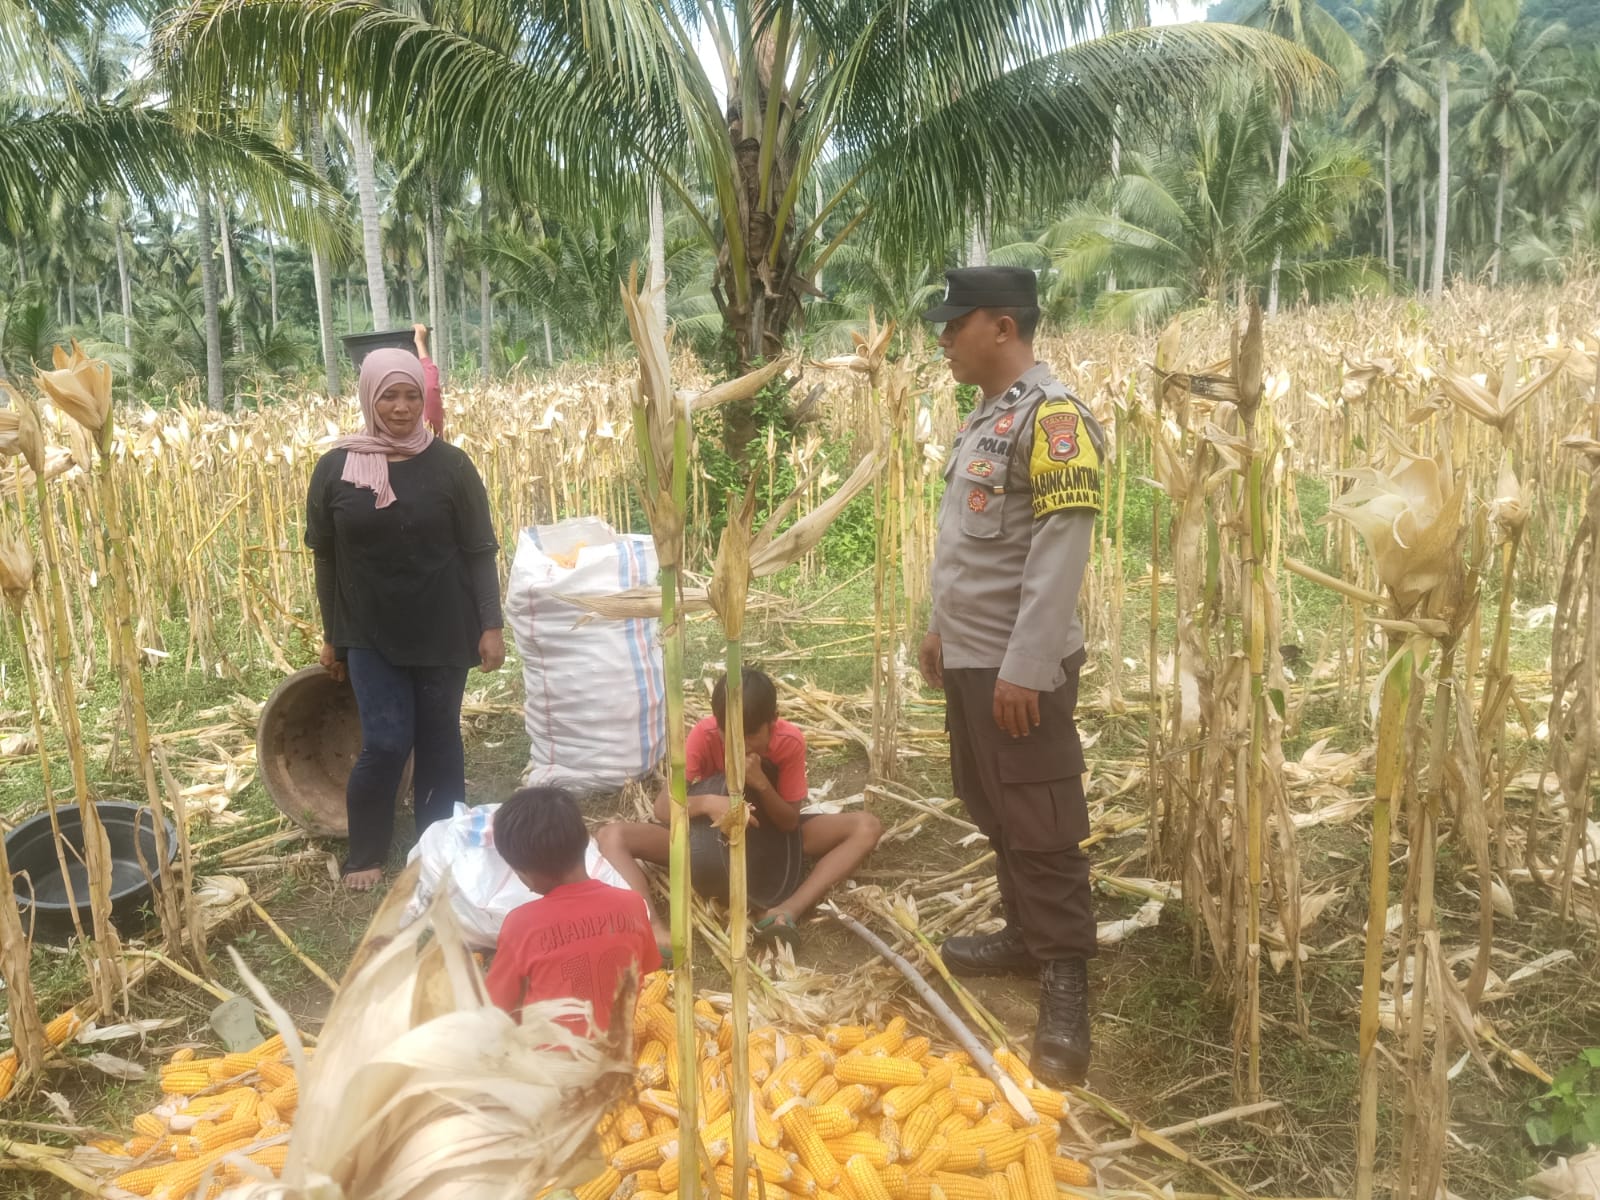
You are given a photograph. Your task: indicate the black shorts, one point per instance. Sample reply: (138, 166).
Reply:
(774, 864)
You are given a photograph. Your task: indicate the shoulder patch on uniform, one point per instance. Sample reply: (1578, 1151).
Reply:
(1064, 467)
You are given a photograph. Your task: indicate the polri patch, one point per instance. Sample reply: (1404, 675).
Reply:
(977, 500)
(1061, 434)
(1004, 424)
(981, 467)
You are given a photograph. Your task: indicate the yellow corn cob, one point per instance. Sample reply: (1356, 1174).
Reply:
(714, 1102)
(1006, 1149)
(803, 1137)
(889, 1135)
(646, 1181)
(272, 1048)
(267, 1115)
(996, 1183)
(970, 1107)
(774, 1165)
(1041, 1184)
(601, 1186)
(272, 1158)
(958, 1058)
(8, 1072)
(796, 1077)
(811, 1044)
(654, 989)
(864, 1179)
(177, 1180)
(824, 1089)
(1015, 1067)
(1001, 1113)
(652, 1194)
(804, 1183)
(915, 1048)
(862, 1144)
(238, 1064)
(717, 1136)
(141, 1145)
(650, 1068)
(845, 1037)
(760, 1064)
(637, 1155)
(954, 1123)
(655, 1100)
(904, 1100)
(182, 1054)
(918, 1129)
(1017, 1182)
(977, 1087)
(1070, 1171)
(150, 1125)
(611, 1140)
(703, 1011)
(62, 1028)
(855, 1098)
(893, 1178)
(724, 1174)
(932, 1156)
(832, 1121)
(1046, 1103)
(275, 1074)
(950, 1186)
(919, 1187)
(661, 1124)
(225, 1132)
(630, 1123)
(878, 1070)
(887, 1042)
(767, 1132)
(285, 1098)
(108, 1146)
(185, 1085)
(667, 1172)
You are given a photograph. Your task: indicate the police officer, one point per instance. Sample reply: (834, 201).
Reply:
(1022, 487)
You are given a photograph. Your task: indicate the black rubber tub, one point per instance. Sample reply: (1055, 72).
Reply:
(359, 345)
(31, 849)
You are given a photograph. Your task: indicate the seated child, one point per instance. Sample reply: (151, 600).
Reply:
(778, 838)
(579, 937)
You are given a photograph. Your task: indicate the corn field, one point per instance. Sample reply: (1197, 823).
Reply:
(1344, 510)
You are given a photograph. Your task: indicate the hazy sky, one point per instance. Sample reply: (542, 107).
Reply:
(1162, 11)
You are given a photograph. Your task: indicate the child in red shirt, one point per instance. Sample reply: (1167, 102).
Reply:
(779, 837)
(580, 937)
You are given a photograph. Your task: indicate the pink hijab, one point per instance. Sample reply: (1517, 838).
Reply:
(367, 464)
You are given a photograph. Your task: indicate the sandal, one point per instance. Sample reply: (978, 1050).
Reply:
(777, 927)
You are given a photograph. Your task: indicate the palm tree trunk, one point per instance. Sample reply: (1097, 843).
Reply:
(485, 292)
(1441, 220)
(227, 274)
(658, 251)
(978, 243)
(549, 345)
(1283, 175)
(1388, 199)
(461, 310)
(124, 288)
(72, 303)
(1422, 239)
(319, 271)
(272, 274)
(1116, 195)
(437, 295)
(371, 228)
(208, 292)
(1499, 215)
(99, 306)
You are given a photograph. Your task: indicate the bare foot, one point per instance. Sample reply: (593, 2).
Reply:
(363, 881)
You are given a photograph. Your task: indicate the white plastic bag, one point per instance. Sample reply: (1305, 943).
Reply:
(595, 705)
(485, 890)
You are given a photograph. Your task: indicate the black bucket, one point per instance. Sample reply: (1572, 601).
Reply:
(359, 345)
(31, 849)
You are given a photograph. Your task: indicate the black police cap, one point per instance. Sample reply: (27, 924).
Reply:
(984, 287)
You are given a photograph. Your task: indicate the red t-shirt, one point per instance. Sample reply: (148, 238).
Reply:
(575, 941)
(705, 755)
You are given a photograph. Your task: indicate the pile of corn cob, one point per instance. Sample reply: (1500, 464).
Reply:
(238, 1104)
(857, 1114)
(58, 1033)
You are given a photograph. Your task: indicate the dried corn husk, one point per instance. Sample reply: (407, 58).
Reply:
(80, 386)
(1408, 515)
(17, 568)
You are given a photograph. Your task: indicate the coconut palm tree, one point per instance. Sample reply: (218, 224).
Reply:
(1305, 23)
(1456, 25)
(920, 112)
(1575, 166)
(1202, 219)
(1513, 99)
(1391, 90)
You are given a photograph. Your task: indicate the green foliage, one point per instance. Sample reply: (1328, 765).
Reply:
(1568, 1115)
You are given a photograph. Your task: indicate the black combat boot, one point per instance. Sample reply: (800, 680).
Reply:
(1061, 1039)
(1002, 953)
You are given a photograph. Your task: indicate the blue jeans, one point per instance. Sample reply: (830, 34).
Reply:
(404, 711)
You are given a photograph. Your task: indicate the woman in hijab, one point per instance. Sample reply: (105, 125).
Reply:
(398, 521)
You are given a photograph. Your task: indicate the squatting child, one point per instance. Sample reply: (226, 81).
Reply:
(579, 937)
(779, 838)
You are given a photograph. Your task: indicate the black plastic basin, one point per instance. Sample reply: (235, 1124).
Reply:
(359, 345)
(31, 849)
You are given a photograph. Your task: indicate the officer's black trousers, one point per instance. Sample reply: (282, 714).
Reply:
(1026, 795)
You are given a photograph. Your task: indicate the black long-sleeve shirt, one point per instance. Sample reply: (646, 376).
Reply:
(416, 581)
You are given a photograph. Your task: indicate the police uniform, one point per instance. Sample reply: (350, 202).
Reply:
(1022, 487)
